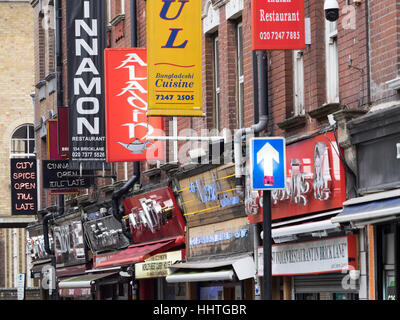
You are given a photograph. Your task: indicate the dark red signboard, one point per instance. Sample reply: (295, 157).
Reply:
(277, 24)
(154, 215)
(315, 180)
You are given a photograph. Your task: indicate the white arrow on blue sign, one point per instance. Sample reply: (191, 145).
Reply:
(267, 163)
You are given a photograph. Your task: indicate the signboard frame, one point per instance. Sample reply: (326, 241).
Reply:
(288, 33)
(281, 175)
(174, 45)
(27, 182)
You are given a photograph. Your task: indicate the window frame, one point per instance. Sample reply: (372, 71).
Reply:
(298, 83)
(27, 139)
(240, 74)
(331, 62)
(216, 81)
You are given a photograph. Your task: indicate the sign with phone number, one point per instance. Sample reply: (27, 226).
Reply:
(277, 25)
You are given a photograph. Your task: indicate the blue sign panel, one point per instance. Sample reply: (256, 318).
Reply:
(267, 163)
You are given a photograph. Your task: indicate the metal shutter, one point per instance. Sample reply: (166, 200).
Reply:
(325, 283)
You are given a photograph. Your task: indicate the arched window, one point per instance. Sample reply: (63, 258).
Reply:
(23, 142)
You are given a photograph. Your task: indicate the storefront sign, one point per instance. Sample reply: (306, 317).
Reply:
(318, 256)
(53, 152)
(277, 25)
(57, 175)
(211, 192)
(35, 247)
(75, 292)
(69, 243)
(157, 265)
(86, 41)
(154, 215)
(231, 236)
(105, 234)
(174, 58)
(127, 124)
(315, 180)
(23, 186)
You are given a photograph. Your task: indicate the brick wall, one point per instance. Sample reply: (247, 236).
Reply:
(384, 49)
(16, 85)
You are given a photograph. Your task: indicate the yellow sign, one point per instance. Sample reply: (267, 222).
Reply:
(157, 266)
(174, 58)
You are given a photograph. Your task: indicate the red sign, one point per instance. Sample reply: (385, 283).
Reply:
(154, 215)
(127, 125)
(63, 133)
(277, 24)
(315, 180)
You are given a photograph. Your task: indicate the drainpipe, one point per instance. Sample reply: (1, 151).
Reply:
(45, 222)
(116, 197)
(133, 23)
(59, 64)
(255, 128)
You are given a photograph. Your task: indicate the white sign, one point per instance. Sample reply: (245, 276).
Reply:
(21, 286)
(318, 256)
(157, 265)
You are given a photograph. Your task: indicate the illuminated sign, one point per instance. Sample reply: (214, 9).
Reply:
(127, 124)
(174, 45)
(318, 256)
(23, 186)
(315, 180)
(86, 41)
(157, 265)
(277, 25)
(154, 215)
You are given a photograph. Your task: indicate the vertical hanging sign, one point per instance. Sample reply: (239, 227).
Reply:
(127, 124)
(23, 186)
(277, 24)
(86, 41)
(174, 58)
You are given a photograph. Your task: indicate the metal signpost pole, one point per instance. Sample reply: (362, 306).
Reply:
(267, 244)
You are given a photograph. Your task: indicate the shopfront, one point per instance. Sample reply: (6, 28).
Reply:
(158, 231)
(375, 212)
(75, 279)
(219, 261)
(302, 228)
(324, 269)
(40, 260)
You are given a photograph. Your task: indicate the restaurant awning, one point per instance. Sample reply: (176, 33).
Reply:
(213, 270)
(136, 253)
(80, 285)
(370, 212)
(315, 229)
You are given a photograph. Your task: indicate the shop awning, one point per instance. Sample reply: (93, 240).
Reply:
(370, 212)
(136, 253)
(80, 286)
(213, 270)
(83, 281)
(317, 229)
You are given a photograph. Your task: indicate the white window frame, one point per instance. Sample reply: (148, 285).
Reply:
(216, 81)
(298, 83)
(332, 62)
(240, 84)
(28, 139)
(109, 9)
